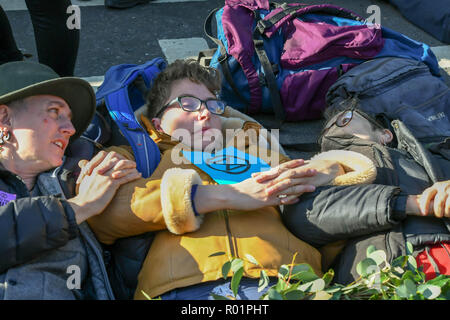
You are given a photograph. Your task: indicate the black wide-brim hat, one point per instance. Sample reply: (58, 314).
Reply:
(22, 79)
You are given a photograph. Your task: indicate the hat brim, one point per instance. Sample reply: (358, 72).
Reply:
(77, 93)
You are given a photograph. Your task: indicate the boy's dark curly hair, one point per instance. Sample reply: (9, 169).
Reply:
(180, 69)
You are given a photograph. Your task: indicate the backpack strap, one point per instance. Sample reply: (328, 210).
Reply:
(150, 70)
(269, 75)
(271, 23)
(122, 93)
(223, 59)
(146, 152)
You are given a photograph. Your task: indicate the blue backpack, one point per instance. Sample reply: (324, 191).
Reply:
(282, 58)
(398, 88)
(120, 95)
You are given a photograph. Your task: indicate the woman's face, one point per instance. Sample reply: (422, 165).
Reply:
(41, 130)
(197, 124)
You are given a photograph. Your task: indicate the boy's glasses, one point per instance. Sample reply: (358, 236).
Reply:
(192, 104)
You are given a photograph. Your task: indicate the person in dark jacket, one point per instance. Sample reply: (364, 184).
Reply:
(408, 202)
(47, 250)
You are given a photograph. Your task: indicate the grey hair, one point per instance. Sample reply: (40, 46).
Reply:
(18, 104)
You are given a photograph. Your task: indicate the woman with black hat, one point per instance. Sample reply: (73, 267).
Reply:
(46, 250)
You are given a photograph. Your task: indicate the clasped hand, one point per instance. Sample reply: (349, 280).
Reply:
(98, 182)
(433, 200)
(282, 185)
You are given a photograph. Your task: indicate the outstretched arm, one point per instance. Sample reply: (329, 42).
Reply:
(282, 186)
(335, 213)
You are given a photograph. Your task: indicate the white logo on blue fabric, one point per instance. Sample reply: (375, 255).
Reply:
(228, 165)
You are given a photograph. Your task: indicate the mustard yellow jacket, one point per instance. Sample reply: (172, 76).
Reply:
(182, 251)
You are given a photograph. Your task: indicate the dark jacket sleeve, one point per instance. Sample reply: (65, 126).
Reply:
(336, 213)
(32, 225)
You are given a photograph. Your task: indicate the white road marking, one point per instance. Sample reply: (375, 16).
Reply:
(442, 53)
(182, 48)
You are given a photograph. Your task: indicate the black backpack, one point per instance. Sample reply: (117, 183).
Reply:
(398, 88)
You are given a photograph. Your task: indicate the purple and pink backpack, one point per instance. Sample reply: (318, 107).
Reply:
(282, 59)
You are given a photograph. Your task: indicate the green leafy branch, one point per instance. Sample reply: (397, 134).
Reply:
(379, 280)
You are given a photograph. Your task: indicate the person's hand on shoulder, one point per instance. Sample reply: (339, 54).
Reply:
(98, 182)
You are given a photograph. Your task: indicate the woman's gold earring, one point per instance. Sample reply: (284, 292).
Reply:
(4, 136)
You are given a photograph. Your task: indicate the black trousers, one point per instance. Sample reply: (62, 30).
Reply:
(57, 45)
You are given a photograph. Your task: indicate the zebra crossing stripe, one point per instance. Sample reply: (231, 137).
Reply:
(182, 48)
(442, 53)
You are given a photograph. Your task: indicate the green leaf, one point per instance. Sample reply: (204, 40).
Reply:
(370, 249)
(236, 279)
(412, 263)
(301, 268)
(263, 281)
(313, 286)
(398, 270)
(281, 285)
(439, 281)
(328, 277)
(218, 297)
(396, 281)
(336, 296)
(226, 269)
(334, 289)
(351, 287)
(215, 254)
(274, 294)
(400, 261)
(366, 267)
(237, 264)
(429, 291)
(294, 295)
(375, 297)
(251, 259)
(408, 275)
(322, 295)
(283, 272)
(445, 292)
(409, 248)
(407, 289)
(305, 276)
(379, 256)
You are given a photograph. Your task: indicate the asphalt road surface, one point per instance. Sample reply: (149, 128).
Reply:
(162, 28)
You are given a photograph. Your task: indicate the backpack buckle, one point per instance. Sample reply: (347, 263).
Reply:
(263, 25)
(258, 43)
(132, 126)
(222, 58)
